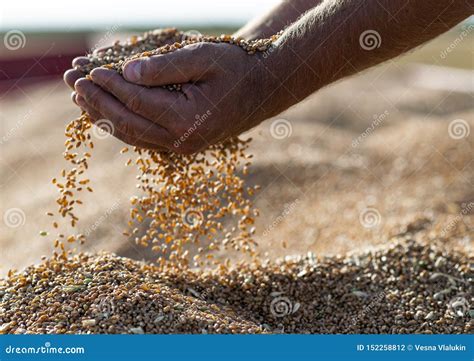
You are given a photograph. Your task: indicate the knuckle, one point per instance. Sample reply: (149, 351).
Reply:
(134, 103)
(94, 101)
(124, 126)
(147, 67)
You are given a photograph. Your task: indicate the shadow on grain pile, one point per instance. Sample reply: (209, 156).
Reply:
(404, 287)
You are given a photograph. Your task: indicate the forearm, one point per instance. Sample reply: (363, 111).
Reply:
(283, 15)
(326, 44)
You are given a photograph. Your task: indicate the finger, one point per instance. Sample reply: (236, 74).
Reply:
(126, 122)
(156, 104)
(71, 76)
(94, 114)
(73, 98)
(180, 66)
(96, 117)
(80, 61)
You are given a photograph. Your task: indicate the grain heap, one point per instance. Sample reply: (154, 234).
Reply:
(405, 287)
(186, 197)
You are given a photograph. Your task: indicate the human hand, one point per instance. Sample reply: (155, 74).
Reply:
(103, 55)
(225, 91)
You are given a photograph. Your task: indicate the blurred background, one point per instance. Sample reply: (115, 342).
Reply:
(382, 154)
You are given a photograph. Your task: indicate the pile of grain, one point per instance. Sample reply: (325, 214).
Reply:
(406, 287)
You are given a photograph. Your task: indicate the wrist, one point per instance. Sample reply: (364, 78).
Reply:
(286, 78)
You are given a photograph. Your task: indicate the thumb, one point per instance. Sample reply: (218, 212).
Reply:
(180, 66)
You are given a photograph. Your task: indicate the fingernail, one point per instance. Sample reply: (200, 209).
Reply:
(132, 71)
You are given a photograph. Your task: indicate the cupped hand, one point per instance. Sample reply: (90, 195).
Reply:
(225, 91)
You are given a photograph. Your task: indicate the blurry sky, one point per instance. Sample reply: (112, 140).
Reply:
(55, 14)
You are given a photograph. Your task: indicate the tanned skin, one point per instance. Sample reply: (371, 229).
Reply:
(321, 45)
